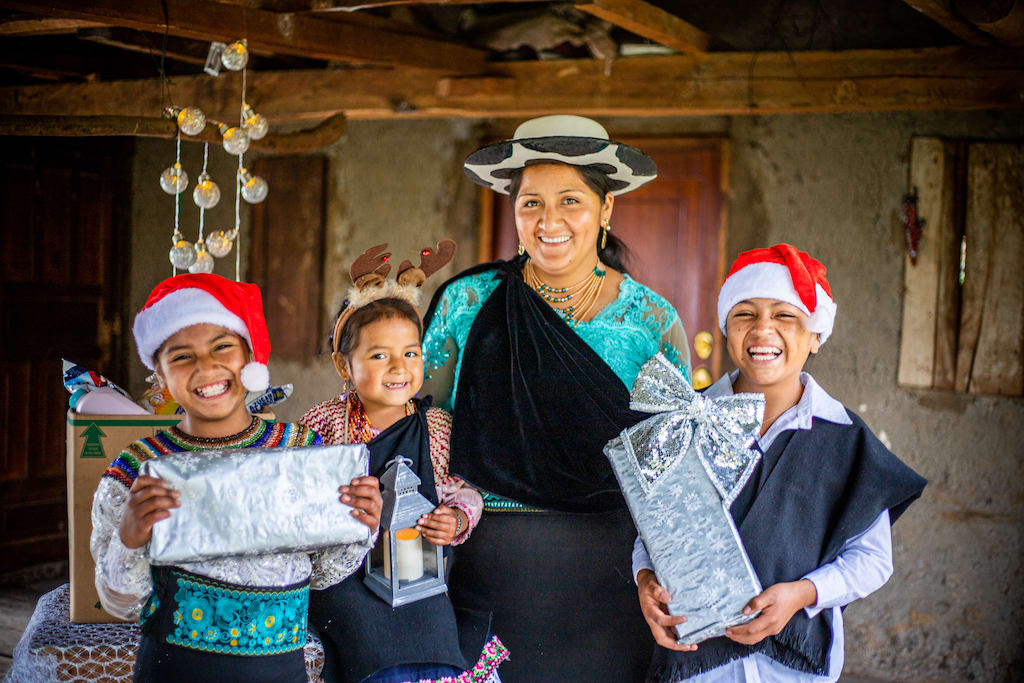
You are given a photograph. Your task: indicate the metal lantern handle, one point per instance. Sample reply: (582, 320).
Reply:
(400, 459)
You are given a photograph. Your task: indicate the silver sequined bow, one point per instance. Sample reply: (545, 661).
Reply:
(721, 429)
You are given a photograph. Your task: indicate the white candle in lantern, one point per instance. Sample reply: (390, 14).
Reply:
(410, 555)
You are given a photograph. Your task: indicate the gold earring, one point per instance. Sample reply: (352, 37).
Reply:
(521, 250)
(605, 227)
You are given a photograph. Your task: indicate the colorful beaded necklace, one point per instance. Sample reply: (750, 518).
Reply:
(585, 292)
(239, 440)
(358, 424)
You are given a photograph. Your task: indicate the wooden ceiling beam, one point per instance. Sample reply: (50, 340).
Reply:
(648, 21)
(952, 78)
(178, 49)
(298, 142)
(355, 5)
(940, 12)
(40, 26)
(289, 34)
(1004, 20)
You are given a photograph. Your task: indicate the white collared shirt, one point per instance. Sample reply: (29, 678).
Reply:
(863, 565)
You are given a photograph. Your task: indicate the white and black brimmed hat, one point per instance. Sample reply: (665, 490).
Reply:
(573, 140)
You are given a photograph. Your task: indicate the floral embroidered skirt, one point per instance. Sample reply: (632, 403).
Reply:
(196, 628)
(561, 591)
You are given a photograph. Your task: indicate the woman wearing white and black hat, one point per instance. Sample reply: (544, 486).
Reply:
(535, 357)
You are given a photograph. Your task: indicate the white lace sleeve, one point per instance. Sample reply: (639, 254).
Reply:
(333, 565)
(122, 574)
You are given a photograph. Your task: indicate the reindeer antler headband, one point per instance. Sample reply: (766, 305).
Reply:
(369, 275)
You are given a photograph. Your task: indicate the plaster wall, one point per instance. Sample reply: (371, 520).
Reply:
(829, 184)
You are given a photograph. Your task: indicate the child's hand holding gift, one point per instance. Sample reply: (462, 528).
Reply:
(778, 603)
(654, 601)
(363, 495)
(149, 501)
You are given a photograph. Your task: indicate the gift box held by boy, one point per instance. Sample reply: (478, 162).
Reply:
(230, 619)
(815, 515)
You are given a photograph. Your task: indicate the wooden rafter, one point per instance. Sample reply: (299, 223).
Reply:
(353, 5)
(644, 19)
(179, 49)
(298, 142)
(939, 12)
(40, 26)
(954, 78)
(1003, 21)
(277, 33)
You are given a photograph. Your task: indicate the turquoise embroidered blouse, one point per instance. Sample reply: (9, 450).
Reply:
(626, 333)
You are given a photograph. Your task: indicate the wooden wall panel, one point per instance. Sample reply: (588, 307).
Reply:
(287, 252)
(992, 338)
(947, 230)
(921, 280)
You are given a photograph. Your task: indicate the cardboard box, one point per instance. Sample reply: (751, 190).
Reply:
(93, 443)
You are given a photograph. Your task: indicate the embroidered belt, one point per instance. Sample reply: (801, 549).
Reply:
(493, 503)
(224, 618)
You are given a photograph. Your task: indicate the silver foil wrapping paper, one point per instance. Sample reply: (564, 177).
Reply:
(679, 471)
(242, 502)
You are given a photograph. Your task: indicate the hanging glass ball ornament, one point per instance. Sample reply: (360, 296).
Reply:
(236, 140)
(182, 254)
(235, 56)
(206, 194)
(255, 124)
(204, 262)
(174, 179)
(254, 188)
(191, 120)
(219, 243)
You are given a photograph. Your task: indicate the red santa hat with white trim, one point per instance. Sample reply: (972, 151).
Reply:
(190, 299)
(784, 273)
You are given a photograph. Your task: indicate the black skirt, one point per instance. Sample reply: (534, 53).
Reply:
(561, 591)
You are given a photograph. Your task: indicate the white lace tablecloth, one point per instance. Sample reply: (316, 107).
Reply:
(54, 649)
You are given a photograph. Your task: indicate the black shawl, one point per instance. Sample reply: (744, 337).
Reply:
(811, 492)
(535, 404)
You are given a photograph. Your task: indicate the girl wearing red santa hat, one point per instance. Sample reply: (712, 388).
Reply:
(233, 619)
(815, 515)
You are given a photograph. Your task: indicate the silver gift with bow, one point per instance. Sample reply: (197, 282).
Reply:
(679, 471)
(258, 501)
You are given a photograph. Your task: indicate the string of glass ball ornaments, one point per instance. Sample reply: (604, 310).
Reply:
(198, 257)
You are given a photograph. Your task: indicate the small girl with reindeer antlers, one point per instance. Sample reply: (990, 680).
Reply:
(376, 351)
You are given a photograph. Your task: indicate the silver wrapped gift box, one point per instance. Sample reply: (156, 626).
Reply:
(256, 501)
(680, 470)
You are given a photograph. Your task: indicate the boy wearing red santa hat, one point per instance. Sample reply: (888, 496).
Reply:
(815, 515)
(234, 619)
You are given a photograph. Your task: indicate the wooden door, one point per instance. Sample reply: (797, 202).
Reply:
(674, 226)
(286, 252)
(59, 297)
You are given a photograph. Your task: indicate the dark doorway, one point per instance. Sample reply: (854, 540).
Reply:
(64, 211)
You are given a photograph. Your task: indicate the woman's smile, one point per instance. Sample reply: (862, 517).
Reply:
(558, 218)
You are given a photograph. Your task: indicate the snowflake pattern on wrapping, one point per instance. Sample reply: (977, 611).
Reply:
(55, 649)
(679, 471)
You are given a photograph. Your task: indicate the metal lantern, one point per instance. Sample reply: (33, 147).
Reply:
(403, 567)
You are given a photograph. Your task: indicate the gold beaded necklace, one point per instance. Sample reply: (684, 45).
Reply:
(580, 296)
